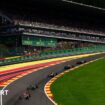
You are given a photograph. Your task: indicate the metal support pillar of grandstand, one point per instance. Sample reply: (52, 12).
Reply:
(5, 17)
(16, 45)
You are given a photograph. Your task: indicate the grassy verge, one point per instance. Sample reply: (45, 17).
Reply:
(83, 86)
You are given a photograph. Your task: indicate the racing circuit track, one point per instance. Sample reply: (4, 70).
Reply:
(36, 73)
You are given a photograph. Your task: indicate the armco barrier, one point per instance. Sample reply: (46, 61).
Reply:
(18, 86)
(52, 54)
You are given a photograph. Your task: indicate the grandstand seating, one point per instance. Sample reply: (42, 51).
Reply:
(57, 27)
(50, 54)
(73, 36)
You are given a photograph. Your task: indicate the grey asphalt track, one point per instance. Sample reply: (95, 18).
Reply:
(38, 96)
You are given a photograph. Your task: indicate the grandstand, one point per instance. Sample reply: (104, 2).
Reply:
(49, 27)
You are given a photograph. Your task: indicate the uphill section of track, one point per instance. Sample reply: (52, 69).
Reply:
(10, 74)
(38, 97)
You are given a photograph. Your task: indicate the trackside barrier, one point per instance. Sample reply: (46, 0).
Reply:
(52, 54)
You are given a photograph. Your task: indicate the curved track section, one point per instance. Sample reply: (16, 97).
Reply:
(47, 87)
(38, 97)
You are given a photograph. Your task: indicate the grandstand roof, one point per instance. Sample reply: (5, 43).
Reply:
(96, 3)
(51, 8)
(50, 4)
